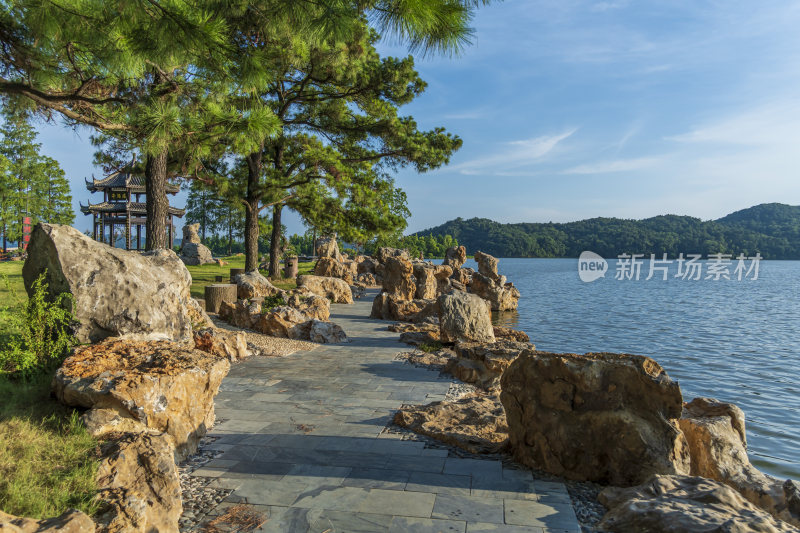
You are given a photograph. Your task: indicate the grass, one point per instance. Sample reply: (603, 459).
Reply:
(12, 289)
(48, 461)
(203, 275)
(430, 347)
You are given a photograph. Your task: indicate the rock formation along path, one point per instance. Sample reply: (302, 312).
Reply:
(303, 440)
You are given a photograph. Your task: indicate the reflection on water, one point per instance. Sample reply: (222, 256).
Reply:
(735, 341)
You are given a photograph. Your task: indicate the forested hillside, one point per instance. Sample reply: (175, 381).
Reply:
(770, 229)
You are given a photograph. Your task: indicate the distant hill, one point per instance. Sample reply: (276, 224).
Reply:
(770, 229)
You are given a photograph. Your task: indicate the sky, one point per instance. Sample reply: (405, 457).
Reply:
(571, 109)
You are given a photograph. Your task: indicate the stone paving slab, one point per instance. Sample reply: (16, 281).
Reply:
(302, 440)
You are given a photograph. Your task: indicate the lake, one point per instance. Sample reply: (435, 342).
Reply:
(736, 341)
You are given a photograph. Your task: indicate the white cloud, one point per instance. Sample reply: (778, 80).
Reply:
(515, 154)
(619, 165)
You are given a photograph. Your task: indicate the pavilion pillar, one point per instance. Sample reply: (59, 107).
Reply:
(127, 231)
(111, 234)
(138, 236)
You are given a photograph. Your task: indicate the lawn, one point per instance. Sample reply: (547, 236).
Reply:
(12, 290)
(203, 275)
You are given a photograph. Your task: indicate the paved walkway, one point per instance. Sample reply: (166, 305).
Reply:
(303, 441)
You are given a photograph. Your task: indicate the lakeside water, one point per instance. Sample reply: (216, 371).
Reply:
(736, 341)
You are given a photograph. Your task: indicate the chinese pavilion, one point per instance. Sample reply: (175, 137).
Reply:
(124, 205)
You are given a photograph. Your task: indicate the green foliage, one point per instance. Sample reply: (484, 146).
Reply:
(773, 230)
(430, 246)
(430, 347)
(48, 460)
(41, 334)
(31, 184)
(272, 301)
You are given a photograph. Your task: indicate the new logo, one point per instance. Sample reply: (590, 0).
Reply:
(591, 266)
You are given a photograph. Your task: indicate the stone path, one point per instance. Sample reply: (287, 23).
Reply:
(303, 441)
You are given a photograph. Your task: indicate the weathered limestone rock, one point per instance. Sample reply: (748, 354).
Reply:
(193, 251)
(108, 423)
(682, 504)
(255, 285)
(331, 268)
(455, 257)
(464, 317)
(513, 334)
(164, 385)
(603, 417)
(116, 292)
(501, 295)
(715, 432)
(315, 307)
(241, 314)
(279, 322)
(383, 254)
(462, 276)
(427, 284)
(416, 334)
(328, 247)
(138, 480)
(231, 345)
(482, 363)
(334, 289)
(366, 264)
(72, 521)
(412, 310)
(326, 332)
(475, 423)
(368, 279)
(487, 266)
(397, 278)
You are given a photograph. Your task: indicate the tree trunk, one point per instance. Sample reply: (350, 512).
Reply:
(252, 205)
(155, 172)
(275, 243)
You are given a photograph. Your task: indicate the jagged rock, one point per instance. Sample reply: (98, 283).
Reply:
(328, 247)
(366, 264)
(279, 322)
(501, 295)
(358, 289)
(193, 252)
(513, 334)
(232, 345)
(462, 276)
(241, 314)
(475, 423)
(164, 385)
(455, 257)
(683, 504)
(138, 481)
(603, 417)
(482, 363)
(116, 292)
(487, 266)
(383, 254)
(315, 307)
(412, 310)
(427, 284)
(254, 285)
(464, 317)
(715, 432)
(72, 521)
(368, 279)
(105, 423)
(397, 278)
(334, 289)
(326, 332)
(331, 268)
(416, 334)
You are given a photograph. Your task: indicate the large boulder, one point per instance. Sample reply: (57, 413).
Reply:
(464, 317)
(315, 307)
(328, 247)
(193, 251)
(502, 295)
(164, 385)
(427, 284)
(334, 289)
(683, 504)
(603, 417)
(254, 285)
(487, 266)
(455, 257)
(398, 280)
(116, 292)
(138, 481)
(231, 345)
(476, 424)
(72, 521)
(242, 314)
(482, 363)
(330, 267)
(366, 264)
(383, 254)
(325, 332)
(279, 322)
(715, 432)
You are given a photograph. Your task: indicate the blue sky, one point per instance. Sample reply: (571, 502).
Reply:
(572, 109)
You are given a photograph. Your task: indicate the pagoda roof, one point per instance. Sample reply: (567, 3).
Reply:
(135, 208)
(124, 179)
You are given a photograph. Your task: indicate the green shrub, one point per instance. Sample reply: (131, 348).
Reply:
(272, 301)
(39, 335)
(431, 347)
